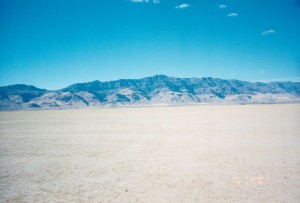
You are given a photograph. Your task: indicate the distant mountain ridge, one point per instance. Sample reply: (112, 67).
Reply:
(155, 90)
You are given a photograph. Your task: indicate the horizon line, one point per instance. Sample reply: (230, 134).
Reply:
(290, 79)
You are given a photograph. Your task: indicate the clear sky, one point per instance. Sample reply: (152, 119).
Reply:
(55, 43)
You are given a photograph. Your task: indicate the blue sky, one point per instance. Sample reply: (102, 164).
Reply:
(55, 43)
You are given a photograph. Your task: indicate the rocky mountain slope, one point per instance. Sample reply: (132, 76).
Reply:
(159, 89)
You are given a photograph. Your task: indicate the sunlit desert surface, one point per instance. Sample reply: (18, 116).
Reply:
(208, 153)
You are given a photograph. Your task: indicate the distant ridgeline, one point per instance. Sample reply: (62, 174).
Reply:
(156, 90)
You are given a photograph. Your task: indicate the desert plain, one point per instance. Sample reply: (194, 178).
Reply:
(205, 153)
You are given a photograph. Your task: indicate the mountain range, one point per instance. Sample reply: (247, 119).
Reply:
(155, 90)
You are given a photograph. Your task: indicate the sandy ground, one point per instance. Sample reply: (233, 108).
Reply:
(246, 153)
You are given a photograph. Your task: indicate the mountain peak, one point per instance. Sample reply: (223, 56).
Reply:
(20, 87)
(160, 76)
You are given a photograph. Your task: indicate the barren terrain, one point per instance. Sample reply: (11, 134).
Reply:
(208, 153)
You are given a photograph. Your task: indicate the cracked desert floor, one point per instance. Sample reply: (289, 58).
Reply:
(208, 153)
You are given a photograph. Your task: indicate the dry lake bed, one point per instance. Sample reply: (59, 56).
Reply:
(208, 153)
